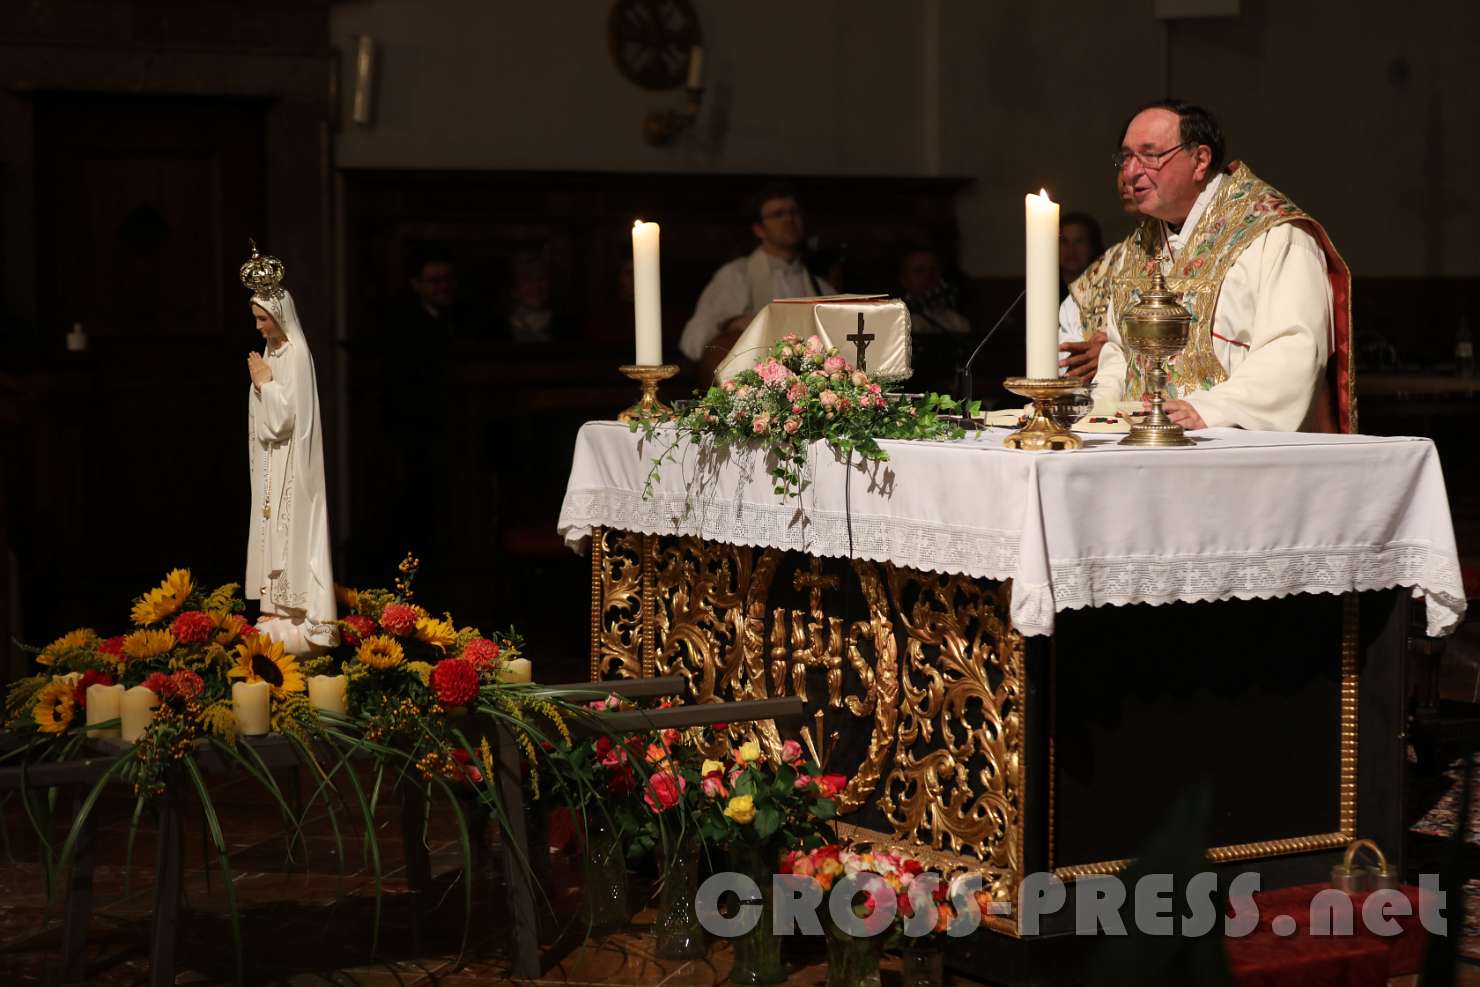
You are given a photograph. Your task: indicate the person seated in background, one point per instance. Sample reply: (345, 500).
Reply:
(531, 317)
(435, 313)
(744, 286)
(929, 297)
(1080, 242)
(1082, 309)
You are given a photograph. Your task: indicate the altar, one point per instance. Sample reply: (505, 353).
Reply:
(1019, 659)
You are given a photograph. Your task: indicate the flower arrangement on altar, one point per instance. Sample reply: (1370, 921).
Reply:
(803, 392)
(755, 801)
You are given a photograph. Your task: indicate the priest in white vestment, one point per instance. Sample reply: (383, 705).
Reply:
(1256, 273)
(744, 286)
(289, 569)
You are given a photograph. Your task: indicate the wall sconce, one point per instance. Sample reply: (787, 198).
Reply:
(363, 112)
(662, 127)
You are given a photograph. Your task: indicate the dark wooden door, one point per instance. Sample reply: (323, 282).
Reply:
(138, 459)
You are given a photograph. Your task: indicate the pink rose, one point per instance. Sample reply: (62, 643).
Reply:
(728, 387)
(773, 373)
(828, 399)
(760, 424)
(814, 344)
(796, 392)
(860, 379)
(791, 752)
(791, 426)
(663, 791)
(714, 786)
(834, 364)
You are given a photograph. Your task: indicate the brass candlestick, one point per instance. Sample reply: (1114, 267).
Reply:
(648, 406)
(1155, 329)
(1042, 433)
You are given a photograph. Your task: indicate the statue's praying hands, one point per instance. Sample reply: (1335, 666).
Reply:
(258, 369)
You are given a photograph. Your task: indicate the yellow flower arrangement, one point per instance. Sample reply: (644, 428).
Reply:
(741, 809)
(438, 633)
(55, 706)
(164, 599)
(148, 644)
(261, 659)
(381, 651)
(72, 640)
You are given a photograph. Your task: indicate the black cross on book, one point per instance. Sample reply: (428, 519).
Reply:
(860, 341)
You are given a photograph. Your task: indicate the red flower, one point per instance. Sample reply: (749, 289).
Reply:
(621, 779)
(248, 630)
(188, 683)
(355, 628)
(830, 785)
(399, 619)
(89, 677)
(481, 652)
(113, 646)
(192, 627)
(453, 680)
(663, 791)
(471, 773)
(160, 684)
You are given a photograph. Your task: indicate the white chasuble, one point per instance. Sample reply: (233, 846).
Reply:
(289, 566)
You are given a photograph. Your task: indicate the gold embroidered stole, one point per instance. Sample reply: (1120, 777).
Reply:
(1244, 207)
(1091, 290)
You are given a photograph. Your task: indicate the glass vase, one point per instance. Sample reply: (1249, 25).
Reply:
(852, 962)
(757, 952)
(679, 934)
(606, 875)
(922, 965)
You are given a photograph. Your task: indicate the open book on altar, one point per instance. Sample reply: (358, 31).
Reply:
(871, 332)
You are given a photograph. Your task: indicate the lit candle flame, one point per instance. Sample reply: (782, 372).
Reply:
(1043, 194)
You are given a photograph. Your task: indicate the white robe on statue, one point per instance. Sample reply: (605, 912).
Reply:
(744, 286)
(1272, 330)
(288, 553)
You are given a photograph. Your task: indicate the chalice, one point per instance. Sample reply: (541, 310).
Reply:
(1155, 329)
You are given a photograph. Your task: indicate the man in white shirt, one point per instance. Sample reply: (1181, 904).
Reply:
(1259, 276)
(746, 285)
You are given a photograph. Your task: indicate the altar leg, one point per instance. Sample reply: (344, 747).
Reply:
(1382, 713)
(168, 876)
(79, 895)
(517, 859)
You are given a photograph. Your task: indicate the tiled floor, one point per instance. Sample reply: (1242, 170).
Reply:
(304, 924)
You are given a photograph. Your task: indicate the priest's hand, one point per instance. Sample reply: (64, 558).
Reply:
(258, 370)
(1183, 414)
(1083, 359)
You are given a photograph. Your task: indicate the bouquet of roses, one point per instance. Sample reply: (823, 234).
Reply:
(803, 392)
(920, 903)
(751, 800)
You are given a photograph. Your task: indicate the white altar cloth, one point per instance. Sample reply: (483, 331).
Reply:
(1242, 515)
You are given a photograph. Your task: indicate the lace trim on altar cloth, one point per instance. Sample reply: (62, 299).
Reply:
(984, 553)
(1261, 575)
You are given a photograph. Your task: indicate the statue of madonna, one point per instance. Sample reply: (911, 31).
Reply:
(289, 569)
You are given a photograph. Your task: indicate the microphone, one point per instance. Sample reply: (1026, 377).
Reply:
(963, 372)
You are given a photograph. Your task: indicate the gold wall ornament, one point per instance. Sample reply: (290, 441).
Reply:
(262, 274)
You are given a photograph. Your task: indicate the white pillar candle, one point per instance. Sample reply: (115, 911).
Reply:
(1042, 218)
(518, 670)
(696, 68)
(137, 711)
(647, 294)
(104, 702)
(250, 702)
(328, 692)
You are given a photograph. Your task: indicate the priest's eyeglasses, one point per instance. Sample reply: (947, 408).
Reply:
(1150, 160)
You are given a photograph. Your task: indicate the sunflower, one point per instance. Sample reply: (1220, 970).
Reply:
(164, 599)
(261, 659)
(438, 633)
(380, 651)
(148, 644)
(55, 706)
(82, 637)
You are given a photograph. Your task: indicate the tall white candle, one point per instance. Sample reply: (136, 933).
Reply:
(1041, 215)
(327, 692)
(696, 68)
(647, 294)
(518, 670)
(137, 710)
(104, 702)
(249, 701)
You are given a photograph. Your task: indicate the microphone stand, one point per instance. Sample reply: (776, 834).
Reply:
(963, 372)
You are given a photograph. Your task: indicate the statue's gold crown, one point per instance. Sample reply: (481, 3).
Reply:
(263, 275)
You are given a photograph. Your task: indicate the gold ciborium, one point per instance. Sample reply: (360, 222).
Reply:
(1042, 433)
(1155, 329)
(647, 406)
